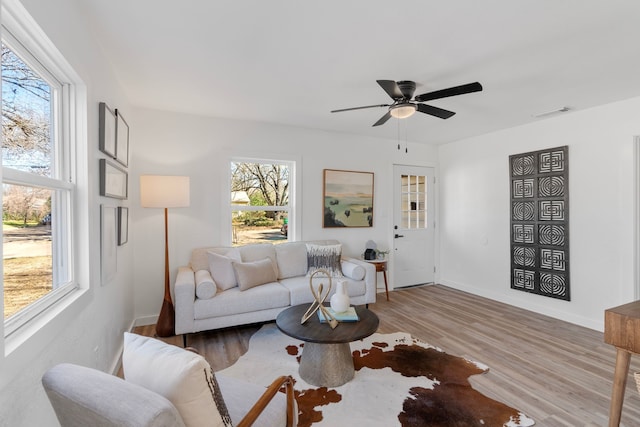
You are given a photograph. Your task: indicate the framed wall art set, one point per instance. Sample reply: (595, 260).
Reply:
(114, 183)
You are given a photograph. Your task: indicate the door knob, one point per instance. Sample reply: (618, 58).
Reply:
(398, 235)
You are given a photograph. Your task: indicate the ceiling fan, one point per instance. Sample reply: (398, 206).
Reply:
(403, 106)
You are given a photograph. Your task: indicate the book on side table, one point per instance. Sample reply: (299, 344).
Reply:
(346, 316)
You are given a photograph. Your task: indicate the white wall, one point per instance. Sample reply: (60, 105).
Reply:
(475, 208)
(474, 211)
(177, 144)
(89, 331)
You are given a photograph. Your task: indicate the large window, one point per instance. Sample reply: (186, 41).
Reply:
(260, 202)
(38, 181)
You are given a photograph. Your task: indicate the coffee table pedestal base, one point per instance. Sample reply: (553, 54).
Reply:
(326, 365)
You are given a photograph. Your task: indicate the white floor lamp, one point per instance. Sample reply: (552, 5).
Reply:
(157, 191)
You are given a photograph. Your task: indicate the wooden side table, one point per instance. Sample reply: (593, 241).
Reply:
(621, 330)
(381, 266)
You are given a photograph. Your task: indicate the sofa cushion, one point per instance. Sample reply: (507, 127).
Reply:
(200, 256)
(234, 301)
(254, 273)
(205, 286)
(183, 377)
(301, 294)
(299, 291)
(221, 268)
(292, 259)
(324, 257)
(257, 252)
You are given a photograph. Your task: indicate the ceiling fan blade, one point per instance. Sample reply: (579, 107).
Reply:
(359, 108)
(435, 111)
(392, 89)
(383, 119)
(452, 91)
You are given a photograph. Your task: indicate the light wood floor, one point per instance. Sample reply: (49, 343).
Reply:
(557, 373)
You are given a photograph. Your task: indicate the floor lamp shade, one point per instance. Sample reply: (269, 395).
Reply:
(159, 191)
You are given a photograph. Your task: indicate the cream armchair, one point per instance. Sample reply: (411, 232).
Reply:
(83, 396)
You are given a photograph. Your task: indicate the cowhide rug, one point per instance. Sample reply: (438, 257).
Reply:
(399, 381)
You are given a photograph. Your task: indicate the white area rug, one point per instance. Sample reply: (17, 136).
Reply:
(399, 381)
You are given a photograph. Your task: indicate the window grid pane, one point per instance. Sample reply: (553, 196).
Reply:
(27, 246)
(27, 117)
(413, 205)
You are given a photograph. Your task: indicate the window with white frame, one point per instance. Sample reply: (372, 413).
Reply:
(39, 108)
(260, 200)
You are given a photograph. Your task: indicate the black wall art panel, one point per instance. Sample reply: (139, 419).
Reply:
(540, 222)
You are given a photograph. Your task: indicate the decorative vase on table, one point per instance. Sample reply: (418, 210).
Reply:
(340, 300)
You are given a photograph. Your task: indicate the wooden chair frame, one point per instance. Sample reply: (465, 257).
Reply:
(261, 404)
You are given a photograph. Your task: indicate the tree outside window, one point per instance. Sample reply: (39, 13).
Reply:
(26, 116)
(259, 201)
(31, 183)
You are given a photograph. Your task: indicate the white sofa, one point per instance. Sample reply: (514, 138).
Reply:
(233, 306)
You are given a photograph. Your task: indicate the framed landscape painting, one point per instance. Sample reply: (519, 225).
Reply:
(347, 199)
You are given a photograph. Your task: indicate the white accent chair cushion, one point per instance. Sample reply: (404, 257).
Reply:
(183, 377)
(84, 397)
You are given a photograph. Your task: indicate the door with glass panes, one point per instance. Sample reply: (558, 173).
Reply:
(414, 222)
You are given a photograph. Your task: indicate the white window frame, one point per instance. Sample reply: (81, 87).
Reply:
(294, 197)
(23, 35)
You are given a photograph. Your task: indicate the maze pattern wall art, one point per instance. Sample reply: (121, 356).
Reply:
(540, 222)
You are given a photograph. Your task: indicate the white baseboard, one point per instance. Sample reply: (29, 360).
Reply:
(144, 321)
(117, 363)
(586, 322)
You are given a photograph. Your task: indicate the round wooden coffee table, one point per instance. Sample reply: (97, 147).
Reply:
(326, 356)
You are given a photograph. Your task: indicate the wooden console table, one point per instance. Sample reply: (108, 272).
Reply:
(622, 330)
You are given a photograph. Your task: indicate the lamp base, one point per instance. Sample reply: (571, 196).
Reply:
(166, 325)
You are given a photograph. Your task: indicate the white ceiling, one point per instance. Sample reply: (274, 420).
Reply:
(292, 61)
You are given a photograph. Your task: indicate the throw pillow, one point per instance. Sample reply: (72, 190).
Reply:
(183, 377)
(205, 286)
(256, 252)
(255, 273)
(292, 259)
(324, 257)
(221, 269)
(353, 271)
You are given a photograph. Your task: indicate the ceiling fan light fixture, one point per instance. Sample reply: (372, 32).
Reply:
(405, 104)
(402, 111)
